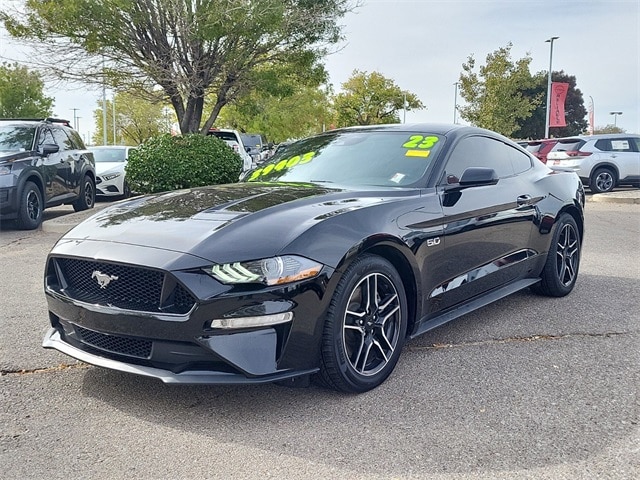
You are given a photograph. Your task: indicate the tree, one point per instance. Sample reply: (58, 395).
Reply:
(21, 93)
(137, 120)
(299, 114)
(575, 111)
(189, 48)
(608, 129)
(494, 95)
(372, 99)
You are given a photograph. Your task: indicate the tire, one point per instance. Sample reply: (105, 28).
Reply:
(126, 190)
(563, 260)
(364, 334)
(603, 180)
(30, 208)
(87, 198)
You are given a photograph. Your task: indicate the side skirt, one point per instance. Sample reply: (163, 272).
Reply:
(425, 325)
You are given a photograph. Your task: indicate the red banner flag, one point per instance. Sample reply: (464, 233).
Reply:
(558, 96)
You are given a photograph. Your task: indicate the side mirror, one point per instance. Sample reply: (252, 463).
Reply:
(476, 176)
(49, 148)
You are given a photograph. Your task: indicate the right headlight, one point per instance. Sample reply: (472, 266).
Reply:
(268, 271)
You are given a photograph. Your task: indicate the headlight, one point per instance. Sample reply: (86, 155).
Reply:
(111, 176)
(269, 271)
(5, 169)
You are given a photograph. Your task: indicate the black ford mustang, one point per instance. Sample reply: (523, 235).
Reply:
(322, 261)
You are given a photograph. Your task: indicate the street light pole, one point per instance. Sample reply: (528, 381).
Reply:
(548, 112)
(104, 105)
(404, 108)
(615, 117)
(113, 112)
(455, 102)
(592, 116)
(75, 123)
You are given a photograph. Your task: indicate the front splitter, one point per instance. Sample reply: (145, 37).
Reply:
(53, 340)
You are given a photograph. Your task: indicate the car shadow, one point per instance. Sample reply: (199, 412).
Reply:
(489, 400)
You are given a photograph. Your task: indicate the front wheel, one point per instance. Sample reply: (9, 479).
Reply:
(87, 196)
(603, 180)
(365, 327)
(30, 208)
(561, 268)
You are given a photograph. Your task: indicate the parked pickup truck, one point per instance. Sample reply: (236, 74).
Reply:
(234, 140)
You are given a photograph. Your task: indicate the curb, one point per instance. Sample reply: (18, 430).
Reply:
(622, 197)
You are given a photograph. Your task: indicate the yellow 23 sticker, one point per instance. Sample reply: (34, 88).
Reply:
(420, 141)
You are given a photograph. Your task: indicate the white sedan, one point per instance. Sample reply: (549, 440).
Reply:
(110, 163)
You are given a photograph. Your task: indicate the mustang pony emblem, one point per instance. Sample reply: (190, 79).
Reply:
(102, 278)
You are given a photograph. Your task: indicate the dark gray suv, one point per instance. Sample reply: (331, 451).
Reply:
(43, 163)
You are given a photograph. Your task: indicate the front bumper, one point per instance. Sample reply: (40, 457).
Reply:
(110, 188)
(8, 197)
(54, 340)
(181, 346)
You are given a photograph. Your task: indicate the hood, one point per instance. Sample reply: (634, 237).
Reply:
(223, 223)
(10, 156)
(104, 167)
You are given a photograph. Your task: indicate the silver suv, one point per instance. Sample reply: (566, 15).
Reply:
(602, 162)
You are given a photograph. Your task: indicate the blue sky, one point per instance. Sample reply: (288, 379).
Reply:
(421, 45)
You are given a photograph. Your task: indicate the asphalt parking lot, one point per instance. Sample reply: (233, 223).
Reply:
(528, 387)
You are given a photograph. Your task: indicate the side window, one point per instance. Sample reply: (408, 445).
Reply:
(45, 137)
(621, 145)
(484, 152)
(76, 140)
(519, 161)
(604, 145)
(62, 139)
(636, 142)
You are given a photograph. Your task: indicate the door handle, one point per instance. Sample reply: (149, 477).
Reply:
(524, 200)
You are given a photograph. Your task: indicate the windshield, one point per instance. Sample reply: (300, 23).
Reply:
(109, 154)
(376, 158)
(16, 138)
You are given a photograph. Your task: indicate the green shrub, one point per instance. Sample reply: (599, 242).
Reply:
(168, 162)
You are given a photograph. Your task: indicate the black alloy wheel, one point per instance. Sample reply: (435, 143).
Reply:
(603, 180)
(31, 207)
(563, 260)
(366, 326)
(87, 196)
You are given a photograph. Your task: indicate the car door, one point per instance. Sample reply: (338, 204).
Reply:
(49, 165)
(62, 185)
(623, 153)
(487, 227)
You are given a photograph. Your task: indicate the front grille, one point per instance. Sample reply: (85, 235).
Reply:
(131, 347)
(122, 286)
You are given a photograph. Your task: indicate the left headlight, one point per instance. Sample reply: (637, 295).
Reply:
(5, 169)
(111, 176)
(268, 271)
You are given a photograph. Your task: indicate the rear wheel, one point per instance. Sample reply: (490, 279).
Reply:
(561, 268)
(603, 180)
(365, 327)
(31, 206)
(87, 196)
